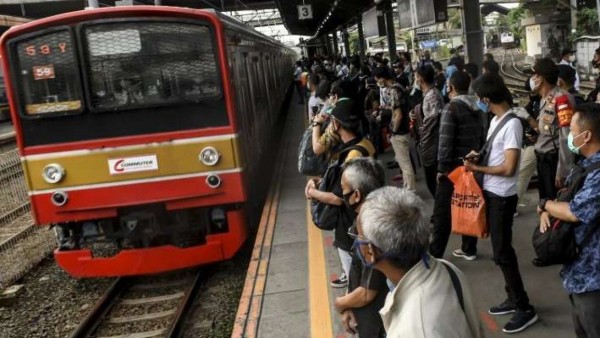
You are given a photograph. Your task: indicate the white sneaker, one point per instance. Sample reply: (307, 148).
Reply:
(340, 282)
(462, 254)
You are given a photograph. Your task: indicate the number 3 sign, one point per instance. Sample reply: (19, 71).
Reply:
(305, 12)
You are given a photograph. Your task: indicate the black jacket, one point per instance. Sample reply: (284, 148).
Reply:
(461, 130)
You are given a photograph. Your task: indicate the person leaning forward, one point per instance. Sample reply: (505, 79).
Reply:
(431, 298)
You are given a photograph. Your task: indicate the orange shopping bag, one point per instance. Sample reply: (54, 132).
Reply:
(468, 205)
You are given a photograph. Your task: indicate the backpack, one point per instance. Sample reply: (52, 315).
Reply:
(326, 216)
(557, 245)
(310, 164)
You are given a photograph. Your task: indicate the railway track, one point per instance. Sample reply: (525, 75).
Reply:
(513, 77)
(143, 307)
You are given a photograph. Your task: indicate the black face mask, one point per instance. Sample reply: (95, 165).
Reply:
(346, 198)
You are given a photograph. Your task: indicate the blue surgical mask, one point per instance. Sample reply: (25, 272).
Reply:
(572, 147)
(360, 255)
(483, 106)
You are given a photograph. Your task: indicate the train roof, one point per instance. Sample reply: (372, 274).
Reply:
(133, 11)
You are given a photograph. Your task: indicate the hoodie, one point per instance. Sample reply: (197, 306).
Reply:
(461, 130)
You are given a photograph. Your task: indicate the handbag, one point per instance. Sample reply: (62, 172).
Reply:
(468, 208)
(557, 244)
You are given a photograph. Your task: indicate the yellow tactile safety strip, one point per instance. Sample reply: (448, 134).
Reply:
(93, 167)
(318, 289)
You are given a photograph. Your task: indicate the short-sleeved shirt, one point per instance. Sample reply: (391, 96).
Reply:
(583, 275)
(329, 139)
(509, 137)
(367, 317)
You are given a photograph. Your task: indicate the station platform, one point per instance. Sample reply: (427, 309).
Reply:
(287, 291)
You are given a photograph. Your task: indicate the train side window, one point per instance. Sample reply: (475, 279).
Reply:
(47, 74)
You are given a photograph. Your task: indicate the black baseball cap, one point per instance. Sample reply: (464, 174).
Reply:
(343, 110)
(567, 51)
(567, 73)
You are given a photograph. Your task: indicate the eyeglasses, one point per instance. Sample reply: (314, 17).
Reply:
(358, 238)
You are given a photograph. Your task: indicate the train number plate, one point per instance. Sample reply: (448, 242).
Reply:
(124, 165)
(43, 72)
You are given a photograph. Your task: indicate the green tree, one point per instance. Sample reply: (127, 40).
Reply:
(587, 22)
(513, 19)
(454, 18)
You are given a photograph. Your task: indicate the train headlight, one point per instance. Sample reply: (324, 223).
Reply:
(59, 198)
(213, 181)
(210, 156)
(53, 173)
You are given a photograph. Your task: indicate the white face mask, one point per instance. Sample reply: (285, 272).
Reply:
(572, 58)
(533, 84)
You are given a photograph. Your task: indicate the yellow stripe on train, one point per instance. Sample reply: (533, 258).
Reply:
(86, 167)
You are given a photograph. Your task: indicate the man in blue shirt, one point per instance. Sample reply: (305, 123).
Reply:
(581, 278)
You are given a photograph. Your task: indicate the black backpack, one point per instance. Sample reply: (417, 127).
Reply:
(326, 216)
(557, 245)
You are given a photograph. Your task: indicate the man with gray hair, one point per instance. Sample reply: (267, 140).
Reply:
(431, 297)
(367, 287)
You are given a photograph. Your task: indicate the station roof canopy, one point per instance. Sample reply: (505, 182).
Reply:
(35, 9)
(327, 15)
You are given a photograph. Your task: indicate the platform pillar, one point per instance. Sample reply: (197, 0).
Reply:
(391, 31)
(336, 48)
(328, 47)
(346, 40)
(473, 31)
(361, 38)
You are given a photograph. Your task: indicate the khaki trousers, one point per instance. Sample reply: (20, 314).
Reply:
(401, 145)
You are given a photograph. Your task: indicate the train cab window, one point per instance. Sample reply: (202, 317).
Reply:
(47, 74)
(145, 63)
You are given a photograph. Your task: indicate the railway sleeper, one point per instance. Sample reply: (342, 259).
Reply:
(143, 227)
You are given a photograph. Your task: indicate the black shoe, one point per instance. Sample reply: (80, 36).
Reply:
(502, 309)
(393, 165)
(520, 321)
(540, 263)
(391, 162)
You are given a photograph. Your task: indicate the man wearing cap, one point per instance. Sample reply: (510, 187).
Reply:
(566, 81)
(556, 110)
(567, 58)
(345, 124)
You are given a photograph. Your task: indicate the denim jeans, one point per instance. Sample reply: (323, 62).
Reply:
(500, 211)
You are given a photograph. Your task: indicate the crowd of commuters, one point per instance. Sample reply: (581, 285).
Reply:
(440, 119)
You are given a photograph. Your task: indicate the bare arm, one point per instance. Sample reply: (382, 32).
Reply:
(561, 210)
(318, 148)
(325, 197)
(358, 298)
(506, 169)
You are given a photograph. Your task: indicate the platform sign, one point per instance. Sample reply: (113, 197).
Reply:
(305, 12)
(420, 13)
(406, 16)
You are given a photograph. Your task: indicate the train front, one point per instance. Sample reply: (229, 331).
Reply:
(127, 136)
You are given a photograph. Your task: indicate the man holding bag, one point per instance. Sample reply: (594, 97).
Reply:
(500, 175)
(581, 277)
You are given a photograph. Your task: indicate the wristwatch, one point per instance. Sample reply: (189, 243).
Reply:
(542, 204)
(315, 124)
